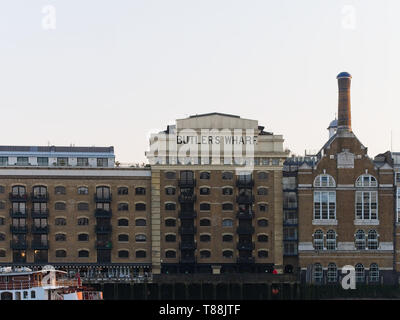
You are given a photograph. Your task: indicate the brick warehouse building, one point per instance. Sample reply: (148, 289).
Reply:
(346, 207)
(73, 208)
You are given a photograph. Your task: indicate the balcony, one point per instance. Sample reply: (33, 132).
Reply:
(18, 229)
(42, 197)
(187, 259)
(40, 244)
(187, 198)
(18, 214)
(102, 213)
(103, 245)
(245, 246)
(290, 238)
(18, 196)
(245, 199)
(245, 215)
(187, 183)
(102, 198)
(245, 260)
(187, 245)
(245, 229)
(103, 229)
(18, 244)
(40, 229)
(39, 213)
(245, 183)
(187, 214)
(187, 230)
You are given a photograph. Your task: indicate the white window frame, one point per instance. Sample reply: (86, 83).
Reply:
(332, 273)
(331, 243)
(372, 244)
(318, 243)
(361, 241)
(373, 272)
(331, 198)
(320, 183)
(318, 275)
(366, 215)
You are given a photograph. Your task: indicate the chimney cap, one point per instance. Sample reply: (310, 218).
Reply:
(343, 75)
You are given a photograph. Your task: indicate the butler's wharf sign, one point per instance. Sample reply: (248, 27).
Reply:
(180, 139)
(205, 146)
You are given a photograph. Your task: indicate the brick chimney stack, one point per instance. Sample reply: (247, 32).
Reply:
(344, 108)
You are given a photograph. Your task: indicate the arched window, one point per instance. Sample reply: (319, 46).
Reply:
(366, 180)
(141, 254)
(123, 254)
(83, 206)
(140, 222)
(170, 206)
(170, 238)
(2, 253)
(262, 253)
(123, 222)
(59, 190)
(170, 254)
(83, 190)
(170, 191)
(332, 272)
(319, 240)
(262, 222)
(205, 206)
(18, 191)
(204, 175)
(170, 222)
(61, 237)
(205, 238)
(123, 206)
(372, 240)
(227, 253)
(262, 238)
(140, 206)
(2, 237)
(60, 222)
(123, 191)
(360, 240)
(83, 237)
(103, 193)
(205, 254)
(227, 206)
(170, 175)
(317, 273)
(331, 240)
(123, 237)
(39, 191)
(205, 222)
(373, 273)
(83, 254)
(226, 191)
(140, 238)
(61, 254)
(360, 272)
(324, 181)
(227, 175)
(59, 206)
(262, 175)
(227, 223)
(227, 238)
(83, 221)
(262, 191)
(204, 191)
(140, 191)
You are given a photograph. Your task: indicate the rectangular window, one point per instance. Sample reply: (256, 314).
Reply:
(43, 161)
(3, 161)
(324, 205)
(22, 161)
(367, 205)
(83, 162)
(398, 177)
(63, 161)
(102, 162)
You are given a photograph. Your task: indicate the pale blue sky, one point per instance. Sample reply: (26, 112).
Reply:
(114, 71)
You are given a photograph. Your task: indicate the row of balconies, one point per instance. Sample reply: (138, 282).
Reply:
(34, 213)
(192, 245)
(34, 229)
(192, 259)
(42, 197)
(243, 229)
(240, 183)
(35, 244)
